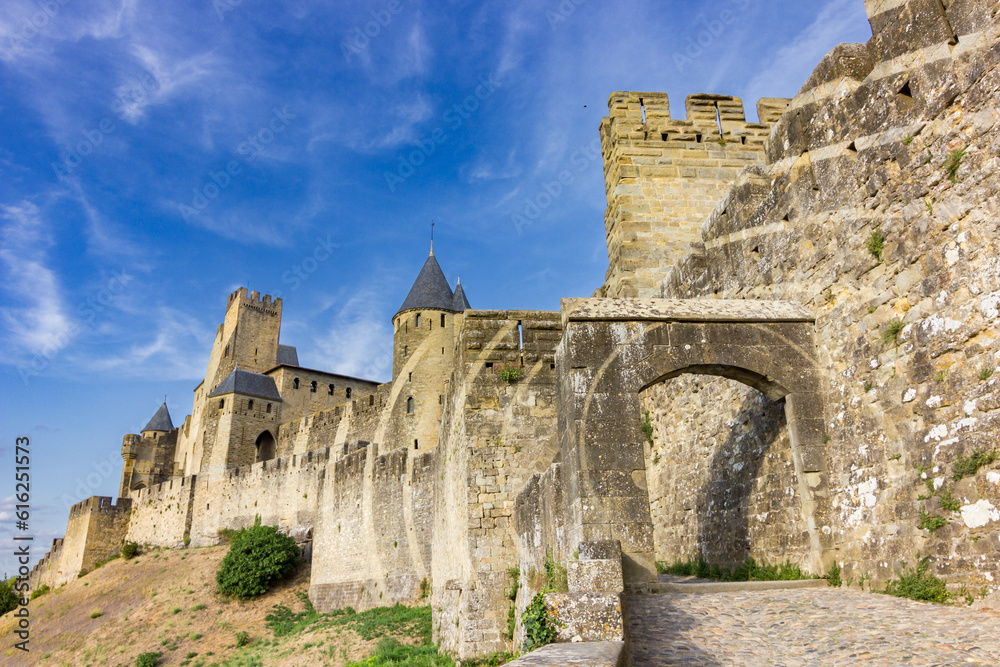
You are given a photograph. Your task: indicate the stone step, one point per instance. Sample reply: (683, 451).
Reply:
(579, 654)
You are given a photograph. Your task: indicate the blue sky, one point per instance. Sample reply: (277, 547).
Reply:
(154, 156)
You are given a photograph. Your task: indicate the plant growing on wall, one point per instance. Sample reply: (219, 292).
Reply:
(539, 626)
(876, 243)
(509, 372)
(647, 429)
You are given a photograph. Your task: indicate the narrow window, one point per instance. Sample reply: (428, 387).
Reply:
(489, 364)
(348, 392)
(416, 445)
(442, 350)
(330, 390)
(371, 400)
(295, 383)
(442, 320)
(406, 350)
(250, 404)
(409, 405)
(417, 322)
(312, 386)
(410, 378)
(440, 399)
(268, 407)
(226, 353)
(222, 403)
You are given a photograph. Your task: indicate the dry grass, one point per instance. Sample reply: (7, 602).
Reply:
(137, 598)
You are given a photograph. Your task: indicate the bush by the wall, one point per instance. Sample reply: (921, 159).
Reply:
(258, 558)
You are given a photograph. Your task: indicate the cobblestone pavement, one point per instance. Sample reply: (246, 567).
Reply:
(808, 627)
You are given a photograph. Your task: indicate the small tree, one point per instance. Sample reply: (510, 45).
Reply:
(258, 557)
(9, 600)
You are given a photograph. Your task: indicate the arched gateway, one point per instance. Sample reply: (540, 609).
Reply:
(612, 349)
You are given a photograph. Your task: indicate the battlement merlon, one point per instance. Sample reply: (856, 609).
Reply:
(256, 301)
(653, 110)
(102, 504)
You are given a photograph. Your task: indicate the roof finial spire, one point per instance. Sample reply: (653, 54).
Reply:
(432, 237)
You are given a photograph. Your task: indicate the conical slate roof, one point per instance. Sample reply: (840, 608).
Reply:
(459, 302)
(430, 289)
(248, 384)
(160, 421)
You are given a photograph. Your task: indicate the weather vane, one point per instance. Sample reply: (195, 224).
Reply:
(432, 237)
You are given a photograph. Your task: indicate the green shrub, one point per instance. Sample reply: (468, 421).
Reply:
(952, 164)
(876, 244)
(833, 575)
(9, 600)
(891, 332)
(931, 522)
(129, 550)
(748, 570)
(258, 557)
(647, 429)
(918, 584)
(40, 591)
(539, 626)
(967, 466)
(509, 372)
(147, 659)
(242, 639)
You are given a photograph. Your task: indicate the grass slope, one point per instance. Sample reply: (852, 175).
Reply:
(167, 601)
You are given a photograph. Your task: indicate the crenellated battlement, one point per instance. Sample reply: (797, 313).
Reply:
(102, 504)
(255, 301)
(663, 176)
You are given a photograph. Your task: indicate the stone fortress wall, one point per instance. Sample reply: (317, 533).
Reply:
(864, 148)
(728, 241)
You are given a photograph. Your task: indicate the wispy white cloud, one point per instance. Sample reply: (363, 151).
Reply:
(172, 74)
(793, 62)
(36, 319)
(174, 348)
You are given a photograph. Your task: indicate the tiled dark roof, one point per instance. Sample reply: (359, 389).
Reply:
(160, 421)
(287, 354)
(248, 384)
(459, 302)
(430, 289)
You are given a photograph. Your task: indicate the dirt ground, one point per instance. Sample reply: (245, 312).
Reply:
(166, 601)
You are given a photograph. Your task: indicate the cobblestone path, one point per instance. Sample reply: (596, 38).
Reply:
(808, 627)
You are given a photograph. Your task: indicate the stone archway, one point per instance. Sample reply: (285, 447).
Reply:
(612, 349)
(265, 447)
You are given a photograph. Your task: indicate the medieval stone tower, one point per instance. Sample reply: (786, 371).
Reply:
(424, 335)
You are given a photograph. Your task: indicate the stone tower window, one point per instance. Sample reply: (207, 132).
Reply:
(348, 390)
(410, 378)
(295, 383)
(406, 350)
(442, 320)
(371, 399)
(417, 322)
(226, 352)
(268, 407)
(330, 390)
(416, 445)
(440, 399)
(409, 405)
(250, 404)
(312, 386)
(222, 403)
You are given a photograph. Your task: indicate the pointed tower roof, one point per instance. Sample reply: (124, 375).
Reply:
(160, 421)
(459, 302)
(430, 289)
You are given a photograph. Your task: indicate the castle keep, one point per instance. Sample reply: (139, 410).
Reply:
(791, 357)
